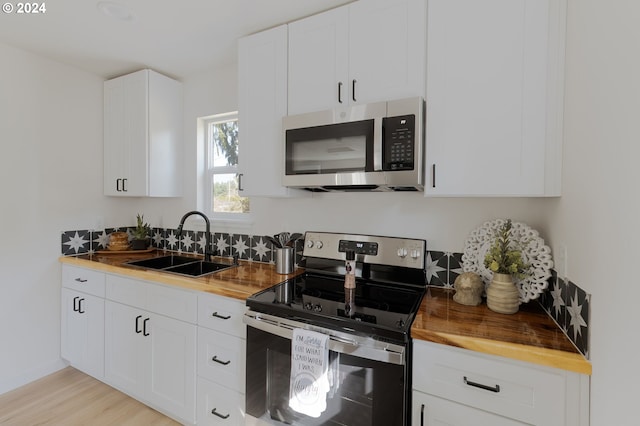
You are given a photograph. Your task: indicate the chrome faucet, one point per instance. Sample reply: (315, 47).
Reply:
(208, 252)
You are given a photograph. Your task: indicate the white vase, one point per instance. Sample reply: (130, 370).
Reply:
(503, 295)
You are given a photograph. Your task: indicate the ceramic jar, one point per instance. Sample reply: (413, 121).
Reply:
(503, 295)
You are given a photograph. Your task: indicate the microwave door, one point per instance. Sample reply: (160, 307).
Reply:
(338, 148)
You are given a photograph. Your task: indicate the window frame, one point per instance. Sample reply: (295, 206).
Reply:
(210, 171)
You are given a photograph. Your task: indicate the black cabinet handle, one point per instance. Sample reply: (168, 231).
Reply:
(240, 188)
(81, 280)
(75, 304)
(495, 388)
(353, 90)
(138, 331)
(433, 175)
(215, 314)
(80, 310)
(124, 185)
(144, 327)
(340, 92)
(215, 358)
(222, 416)
(422, 415)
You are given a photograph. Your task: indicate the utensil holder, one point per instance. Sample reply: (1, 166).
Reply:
(285, 260)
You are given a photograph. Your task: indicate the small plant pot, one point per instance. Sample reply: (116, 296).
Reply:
(503, 295)
(140, 244)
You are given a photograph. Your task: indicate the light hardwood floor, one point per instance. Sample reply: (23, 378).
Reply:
(70, 398)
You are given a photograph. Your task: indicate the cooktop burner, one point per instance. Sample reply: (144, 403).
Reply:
(390, 283)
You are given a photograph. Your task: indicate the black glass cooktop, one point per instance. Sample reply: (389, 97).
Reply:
(382, 310)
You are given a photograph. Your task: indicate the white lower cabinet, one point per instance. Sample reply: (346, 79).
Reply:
(150, 355)
(82, 337)
(453, 386)
(82, 315)
(221, 361)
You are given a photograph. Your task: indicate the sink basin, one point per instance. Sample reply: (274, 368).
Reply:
(162, 262)
(197, 269)
(182, 265)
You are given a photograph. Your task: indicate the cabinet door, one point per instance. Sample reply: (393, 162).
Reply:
(126, 359)
(432, 411)
(318, 62)
(125, 135)
(493, 95)
(82, 339)
(387, 49)
(172, 363)
(262, 102)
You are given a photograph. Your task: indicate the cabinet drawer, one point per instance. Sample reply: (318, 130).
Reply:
(433, 411)
(525, 392)
(126, 290)
(85, 280)
(221, 314)
(221, 358)
(218, 405)
(157, 298)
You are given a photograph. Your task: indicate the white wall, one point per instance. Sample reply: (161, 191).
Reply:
(50, 181)
(597, 218)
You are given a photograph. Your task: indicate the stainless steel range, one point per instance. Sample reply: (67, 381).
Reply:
(367, 343)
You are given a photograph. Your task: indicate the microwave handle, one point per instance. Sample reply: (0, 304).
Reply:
(377, 143)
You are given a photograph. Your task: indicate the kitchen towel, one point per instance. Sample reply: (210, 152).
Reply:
(309, 381)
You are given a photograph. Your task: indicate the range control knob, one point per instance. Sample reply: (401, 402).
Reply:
(319, 244)
(317, 308)
(310, 244)
(402, 252)
(415, 254)
(308, 306)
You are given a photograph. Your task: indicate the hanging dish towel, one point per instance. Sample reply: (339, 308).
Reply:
(309, 383)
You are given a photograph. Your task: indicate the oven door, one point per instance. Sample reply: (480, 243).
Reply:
(371, 387)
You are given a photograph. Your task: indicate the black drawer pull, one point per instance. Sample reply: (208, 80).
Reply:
(222, 416)
(81, 280)
(215, 358)
(495, 388)
(215, 314)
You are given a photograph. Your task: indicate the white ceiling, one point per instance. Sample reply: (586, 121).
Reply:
(175, 37)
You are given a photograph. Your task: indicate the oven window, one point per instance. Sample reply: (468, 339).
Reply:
(365, 392)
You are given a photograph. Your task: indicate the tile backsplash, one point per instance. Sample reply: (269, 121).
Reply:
(563, 300)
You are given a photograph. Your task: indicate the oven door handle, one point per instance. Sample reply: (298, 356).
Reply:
(372, 349)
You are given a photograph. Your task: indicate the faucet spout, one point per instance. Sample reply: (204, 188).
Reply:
(208, 252)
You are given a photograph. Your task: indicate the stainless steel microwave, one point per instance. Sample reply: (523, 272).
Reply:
(370, 147)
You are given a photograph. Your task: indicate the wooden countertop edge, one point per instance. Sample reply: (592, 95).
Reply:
(214, 286)
(574, 362)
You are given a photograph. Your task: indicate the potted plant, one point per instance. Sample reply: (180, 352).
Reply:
(141, 234)
(505, 260)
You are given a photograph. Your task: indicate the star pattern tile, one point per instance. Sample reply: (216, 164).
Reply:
(76, 242)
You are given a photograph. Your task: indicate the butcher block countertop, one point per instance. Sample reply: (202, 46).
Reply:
(238, 283)
(529, 335)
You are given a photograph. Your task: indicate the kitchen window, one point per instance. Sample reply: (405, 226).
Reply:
(221, 156)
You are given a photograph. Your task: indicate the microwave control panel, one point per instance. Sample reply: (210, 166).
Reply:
(399, 142)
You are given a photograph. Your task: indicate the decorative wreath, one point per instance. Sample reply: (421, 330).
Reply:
(534, 252)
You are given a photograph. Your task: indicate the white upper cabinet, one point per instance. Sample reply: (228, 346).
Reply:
(143, 135)
(366, 51)
(494, 96)
(262, 102)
